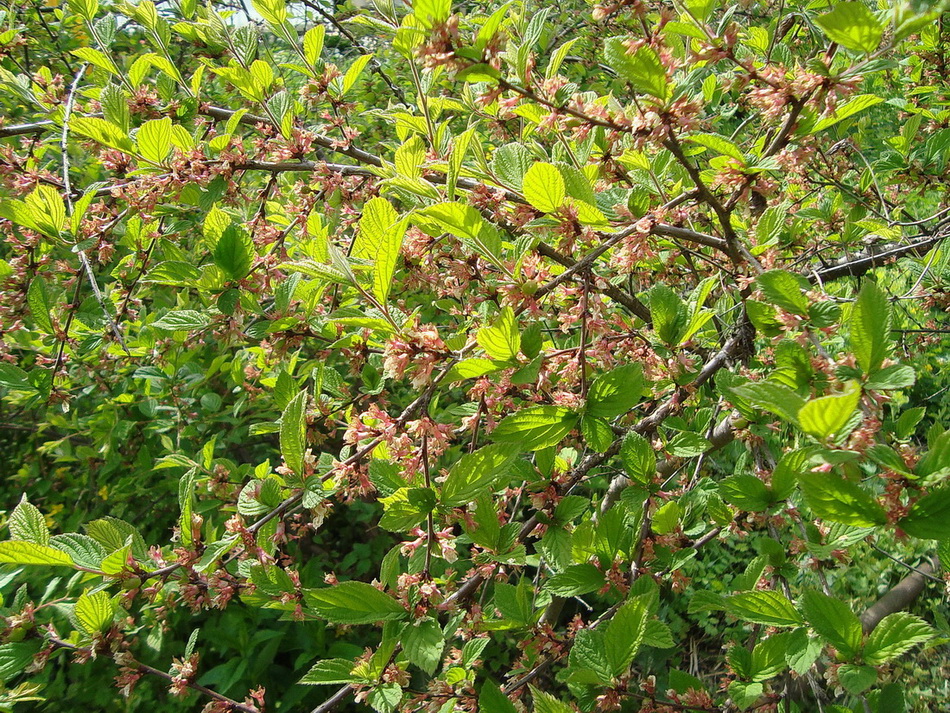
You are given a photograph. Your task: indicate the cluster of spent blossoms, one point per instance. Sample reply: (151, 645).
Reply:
(416, 351)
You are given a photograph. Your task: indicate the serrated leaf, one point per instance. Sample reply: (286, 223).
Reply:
(853, 26)
(719, 144)
(41, 304)
(293, 432)
(154, 140)
(895, 635)
(354, 603)
(763, 607)
(28, 524)
(183, 320)
(826, 416)
(833, 498)
(19, 552)
(543, 187)
(625, 633)
(833, 621)
(643, 68)
(870, 327)
(329, 671)
(234, 252)
(492, 700)
(638, 458)
(422, 643)
(929, 517)
(474, 473)
(94, 612)
(784, 289)
(615, 392)
(575, 580)
(847, 110)
(535, 427)
(772, 397)
(501, 340)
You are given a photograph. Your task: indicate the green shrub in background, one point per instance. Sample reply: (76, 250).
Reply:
(487, 356)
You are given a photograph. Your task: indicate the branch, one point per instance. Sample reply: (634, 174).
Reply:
(857, 266)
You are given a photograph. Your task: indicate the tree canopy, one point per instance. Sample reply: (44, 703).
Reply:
(502, 357)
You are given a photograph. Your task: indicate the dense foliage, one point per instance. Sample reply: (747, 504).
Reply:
(500, 357)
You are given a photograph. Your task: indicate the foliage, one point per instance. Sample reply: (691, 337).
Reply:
(474, 357)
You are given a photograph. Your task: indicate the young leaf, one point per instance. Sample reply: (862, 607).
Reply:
(625, 634)
(827, 416)
(94, 612)
(894, 636)
(870, 327)
(834, 621)
(492, 700)
(234, 252)
(293, 432)
(784, 289)
(543, 187)
(833, 498)
(28, 524)
(501, 340)
(929, 517)
(535, 427)
(766, 607)
(615, 392)
(643, 69)
(853, 26)
(354, 603)
(423, 643)
(475, 473)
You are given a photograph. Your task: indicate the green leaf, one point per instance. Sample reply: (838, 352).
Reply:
(471, 369)
(293, 432)
(501, 340)
(313, 43)
(763, 607)
(15, 657)
(638, 458)
(856, 679)
(785, 290)
(14, 378)
(625, 633)
(535, 427)
(329, 671)
(719, 144)
(827, 416)
(668, 313)
(234, 252)
(597, 432)
(182, 320)
(154, 139)
(929, 517)
(94, 612)
(492, 700)
(475, 473)
(772, 397)
(896, 376)
(544, 702)
(82, 549)
(186, 501)
(28, 524)
(354, 603)
(643, 69)
(847, 110)
(894, 636)
(576, 580)
(510, 163)
(41, 304)
(19, 552)
(834, 621)
(831, 497)
(852, 26)
(461, 220)
(173, 272)
(588, 658)
(380, 240)
(615, 392)
(746, 492)
(422, 643)
(870, 327)
(543, 187)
